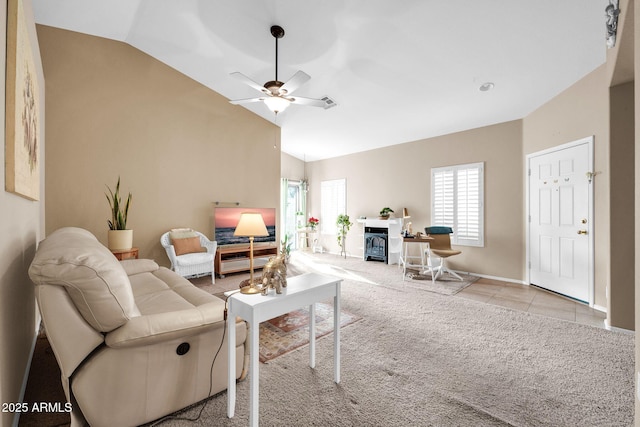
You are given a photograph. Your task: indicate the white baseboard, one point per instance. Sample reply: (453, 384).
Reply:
(486, 276)
(615, 329)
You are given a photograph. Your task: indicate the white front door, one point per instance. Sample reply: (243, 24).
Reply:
(560, 230)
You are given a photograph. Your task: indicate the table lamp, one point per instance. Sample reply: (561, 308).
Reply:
(250, 225)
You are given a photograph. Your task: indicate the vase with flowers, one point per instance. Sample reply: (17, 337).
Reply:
(313, 223)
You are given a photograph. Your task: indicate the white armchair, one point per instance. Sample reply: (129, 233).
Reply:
(191, 253)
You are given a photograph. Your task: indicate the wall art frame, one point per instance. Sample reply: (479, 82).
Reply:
(23, 123)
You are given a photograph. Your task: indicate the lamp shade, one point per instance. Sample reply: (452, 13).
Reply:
(276, 104)
(251, 224)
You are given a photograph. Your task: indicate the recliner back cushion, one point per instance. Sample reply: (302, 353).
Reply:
(93, 277)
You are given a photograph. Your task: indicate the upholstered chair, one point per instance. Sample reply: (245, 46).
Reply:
(191, 253)
(440, 246)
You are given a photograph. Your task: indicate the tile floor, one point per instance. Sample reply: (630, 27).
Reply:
(532, 300)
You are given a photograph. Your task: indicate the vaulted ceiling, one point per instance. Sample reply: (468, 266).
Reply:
(399, 71)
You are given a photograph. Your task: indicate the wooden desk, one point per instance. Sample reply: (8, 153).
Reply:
(425, 255)
(123, 254)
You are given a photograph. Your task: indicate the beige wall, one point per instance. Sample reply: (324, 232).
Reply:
(177, 146)
(400, 177)
(580, 111)
(291, 167)
(21, 225)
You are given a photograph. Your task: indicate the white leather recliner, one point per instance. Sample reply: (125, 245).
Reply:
(134, 341)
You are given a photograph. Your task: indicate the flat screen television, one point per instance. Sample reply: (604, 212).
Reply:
(226, 219)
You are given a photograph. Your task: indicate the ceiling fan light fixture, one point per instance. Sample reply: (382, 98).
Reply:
(276, 104)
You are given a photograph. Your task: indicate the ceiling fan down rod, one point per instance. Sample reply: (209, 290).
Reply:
(277, 32)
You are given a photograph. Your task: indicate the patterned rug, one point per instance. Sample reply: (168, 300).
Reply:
(290, 331)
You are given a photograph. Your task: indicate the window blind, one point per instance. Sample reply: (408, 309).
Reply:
(457, 202)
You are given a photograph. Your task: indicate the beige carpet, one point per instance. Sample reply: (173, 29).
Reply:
(421, 358)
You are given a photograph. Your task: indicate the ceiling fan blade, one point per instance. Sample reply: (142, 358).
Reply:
(294, 82)
(307, 101)
(245, 101)
(238, 75)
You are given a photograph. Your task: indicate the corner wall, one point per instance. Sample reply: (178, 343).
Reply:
(177, 145)
(21, 225)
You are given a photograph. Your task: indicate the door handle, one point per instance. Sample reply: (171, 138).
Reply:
(582, 232)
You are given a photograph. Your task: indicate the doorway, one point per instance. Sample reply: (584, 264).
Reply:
(560, 219)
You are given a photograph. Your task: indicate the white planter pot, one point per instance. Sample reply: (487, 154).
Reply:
(120, 239)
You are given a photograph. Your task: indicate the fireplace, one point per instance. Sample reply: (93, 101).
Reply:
(376, 244)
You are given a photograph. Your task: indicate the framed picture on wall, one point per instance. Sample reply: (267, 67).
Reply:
(22, 107)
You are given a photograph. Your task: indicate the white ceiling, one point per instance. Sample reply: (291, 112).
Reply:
(399, 71)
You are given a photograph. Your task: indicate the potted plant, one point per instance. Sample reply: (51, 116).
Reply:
(119, 238)
(344, 224)
(286, 247)
(385, 213)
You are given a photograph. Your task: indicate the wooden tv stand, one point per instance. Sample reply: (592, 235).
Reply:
(233, 259)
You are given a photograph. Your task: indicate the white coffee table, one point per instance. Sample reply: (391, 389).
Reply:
(303, 290)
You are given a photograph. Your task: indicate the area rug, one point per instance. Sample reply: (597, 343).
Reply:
(288, 332)
(445, 284)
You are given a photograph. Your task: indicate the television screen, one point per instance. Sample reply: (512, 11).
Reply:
(226, 219)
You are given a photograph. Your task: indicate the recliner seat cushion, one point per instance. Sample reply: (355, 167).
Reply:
(95, 280)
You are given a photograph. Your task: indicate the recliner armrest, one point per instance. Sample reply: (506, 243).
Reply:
(137, 266)
(153, 328)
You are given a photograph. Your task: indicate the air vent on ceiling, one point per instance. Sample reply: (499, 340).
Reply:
(328, 102)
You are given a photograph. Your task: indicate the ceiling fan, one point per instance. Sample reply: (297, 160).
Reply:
(277, 95)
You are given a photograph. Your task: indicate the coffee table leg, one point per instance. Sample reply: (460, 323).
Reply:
(254, 375)
(312, 335)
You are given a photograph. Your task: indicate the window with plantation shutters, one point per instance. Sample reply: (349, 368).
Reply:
(457, 199)
(333, 202)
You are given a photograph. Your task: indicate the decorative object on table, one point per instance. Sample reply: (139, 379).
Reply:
(344, 224)
(250, 225)
(274, 275)
(385, 213)
(313, 223)
(611, 12)
(23, 120)
(118, 237)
